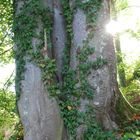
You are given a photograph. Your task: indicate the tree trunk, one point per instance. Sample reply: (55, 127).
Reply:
(39, 113)
(102, 80)
(64, 31)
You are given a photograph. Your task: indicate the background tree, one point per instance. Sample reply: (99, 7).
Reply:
(8, 115)
(116, 8)
(6, 35)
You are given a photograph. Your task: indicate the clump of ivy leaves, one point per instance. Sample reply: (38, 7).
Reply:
(68, 93)
(130, 128)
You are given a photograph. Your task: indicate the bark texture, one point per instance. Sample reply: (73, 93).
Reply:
(39, 112)
(102, 80)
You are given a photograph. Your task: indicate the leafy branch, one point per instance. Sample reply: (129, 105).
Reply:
(8, 82)
(6, 51)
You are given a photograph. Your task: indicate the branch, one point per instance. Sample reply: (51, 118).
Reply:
(5, 86)
(134, 6)
(6, 51)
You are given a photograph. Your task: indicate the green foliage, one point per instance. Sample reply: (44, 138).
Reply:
(17, 133)
(76, 86)
(132, 89)
(69, 113)
(121, 5)
(68, 14)
(128, 136)
(121, 69)
(8, 116)
(7, 106)
(94, 130)
(91, 8)
(135, 33)
(84, 68)
(6, 42)
(48, 67)
(131, 92)
(131, 129)
(136, 73)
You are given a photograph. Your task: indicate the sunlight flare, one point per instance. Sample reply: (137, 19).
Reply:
(114, 27)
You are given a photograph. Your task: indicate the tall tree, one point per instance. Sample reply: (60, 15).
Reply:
(65, 68)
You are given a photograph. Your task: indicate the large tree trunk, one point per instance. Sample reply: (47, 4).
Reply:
(104, 80)
(40, 113)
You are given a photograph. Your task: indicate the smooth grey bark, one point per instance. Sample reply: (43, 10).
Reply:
(39, 113)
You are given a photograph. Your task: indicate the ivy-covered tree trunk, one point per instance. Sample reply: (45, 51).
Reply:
(66, 68)
(40, 114)
(89, 31)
